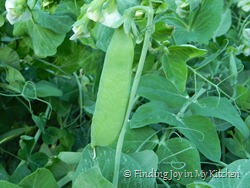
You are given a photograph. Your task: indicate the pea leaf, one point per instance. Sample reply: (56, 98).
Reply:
(43, 41)
(6, 184)
(199, 185)
(157, 88)
(57, 23)
(124, 5)
(103, 35)
(152, 112)
(200, 130)
(92, 178)
(237, 175)
(197, 129)
(3, 174)
(215, 107)
(147, 159)
(70, 158)
(225, 23)
(9, 57)
(46, 89)
(19, 173)
(105, 160)
(139, 140)
(174, 63)
(237, 147)
(200, 25)
(178, 155)
(243, 96)
(1, 20)
(41, 178)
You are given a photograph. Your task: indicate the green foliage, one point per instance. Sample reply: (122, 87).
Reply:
(185, 121)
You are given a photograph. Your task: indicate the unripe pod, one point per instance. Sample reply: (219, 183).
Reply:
(114, 90)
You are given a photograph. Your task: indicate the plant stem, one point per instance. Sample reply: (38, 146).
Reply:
(223, 146)
(80, 100)
(189, 102)
(145, 48)
(66, 179)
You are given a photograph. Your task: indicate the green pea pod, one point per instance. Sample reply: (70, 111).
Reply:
(114, 90)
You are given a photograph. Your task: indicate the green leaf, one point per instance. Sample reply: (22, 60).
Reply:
(124, 5)
(14, 77)
(92, 178)
(147, 159)
(40, 121)
(103, 35)
(225, 24)
(202, 132)
(3, 174)
(236, 174)
(5, 184)
(43, 41)
(174, 63)
(151, 113)
(200, 25)
(105, 160)
(243, 96)
(19, 173)
(238, 148)
(58, 23)
(157, 88)
(46, 89)
(26, 145)
(197, 129)
(200, 185)
(37, 160)
(70, 158)
(1, 20)
(41, 178)
(139, 140)
(13, 134)
(215, 107)
(162, 31)
(51, 135)
(9, 57)
(179, 156)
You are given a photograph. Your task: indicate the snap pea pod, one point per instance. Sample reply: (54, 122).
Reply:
(114, 90)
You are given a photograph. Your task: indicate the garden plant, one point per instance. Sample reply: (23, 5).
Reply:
(124, 93)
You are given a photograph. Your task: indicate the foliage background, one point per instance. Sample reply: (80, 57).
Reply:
(193, 97)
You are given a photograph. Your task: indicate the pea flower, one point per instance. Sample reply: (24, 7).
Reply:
(103, 11)
(80, 28)
(17, 10)
(246, 51)
(246, 33)
(182, 7)
(244, 5)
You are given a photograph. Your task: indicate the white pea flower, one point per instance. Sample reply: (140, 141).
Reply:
(246, 51)
(244, 5)
(80, 28)
(103, 11)
(246, 33)
(17, 10)
(182, 7)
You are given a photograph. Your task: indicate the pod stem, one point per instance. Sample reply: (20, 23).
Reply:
(146, 45)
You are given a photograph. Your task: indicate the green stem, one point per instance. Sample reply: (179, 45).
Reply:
(187, 104)
(66, 179)
(208, 81)
(163, 182)
(80, 96)
(223, 146)
(145, 48)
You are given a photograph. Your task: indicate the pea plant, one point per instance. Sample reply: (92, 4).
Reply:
(114, 93)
